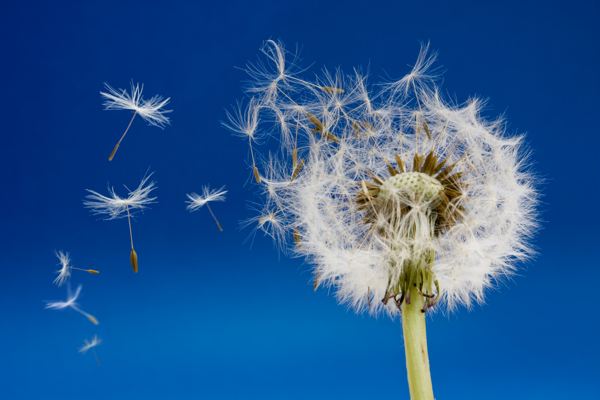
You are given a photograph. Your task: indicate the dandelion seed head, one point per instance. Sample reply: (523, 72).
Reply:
(396, 185)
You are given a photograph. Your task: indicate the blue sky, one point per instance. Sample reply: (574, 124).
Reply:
(209, 316)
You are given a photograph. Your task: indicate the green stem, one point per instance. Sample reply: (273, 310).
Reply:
(415, 344)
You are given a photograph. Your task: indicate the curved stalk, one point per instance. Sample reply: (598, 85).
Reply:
(117, 146)
(415, 345)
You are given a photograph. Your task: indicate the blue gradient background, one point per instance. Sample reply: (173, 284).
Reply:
(209, 317)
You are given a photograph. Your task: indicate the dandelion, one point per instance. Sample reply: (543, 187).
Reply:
(90, 345)
(117, 207)
(402, 201)
(150, 110)
(59, 305)
(197, 201)
(64, 273)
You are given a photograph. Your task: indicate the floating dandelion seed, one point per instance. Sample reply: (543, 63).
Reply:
(198, 201)
(117, 207)
(150, 110)
(90, 345)
(244, 121)
(59, 305)
(64, 273)
(400, 196)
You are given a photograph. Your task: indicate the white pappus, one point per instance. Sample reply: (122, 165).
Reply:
(386, 187)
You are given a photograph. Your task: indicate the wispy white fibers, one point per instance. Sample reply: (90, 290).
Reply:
(197, 201)
(331, 193)
(90, 345)
(65, 271)
(70, 303)
(150, 110)
(114, 206)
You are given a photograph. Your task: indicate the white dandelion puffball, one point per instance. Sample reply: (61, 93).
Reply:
(391, 187)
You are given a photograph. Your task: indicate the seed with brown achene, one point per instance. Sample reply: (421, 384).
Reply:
(256, 176)
(134, 261)
(331, 89)
(297, 169)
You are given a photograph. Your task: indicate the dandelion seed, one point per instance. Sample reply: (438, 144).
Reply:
(421, 75)
(64, 273)
(197, 201)
(297, 237)
(245, 122)
(297, 169)
(315, 121)
(117, 207)
(150, 110)
(331, 89)
(269, 223)
(90, 345)
(59, 305)
(434, 227)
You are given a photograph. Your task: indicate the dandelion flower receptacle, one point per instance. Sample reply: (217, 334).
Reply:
(118, 207)
(402, 201)
(150, 110)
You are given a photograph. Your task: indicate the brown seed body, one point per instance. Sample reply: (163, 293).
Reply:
(297, 169)
(134, 260)
(256, 176)
(297, 238)
(331, 89)
(113, 153)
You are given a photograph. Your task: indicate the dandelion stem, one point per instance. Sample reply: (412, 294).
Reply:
(211, 213)
(415, 345)
(117, 146)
